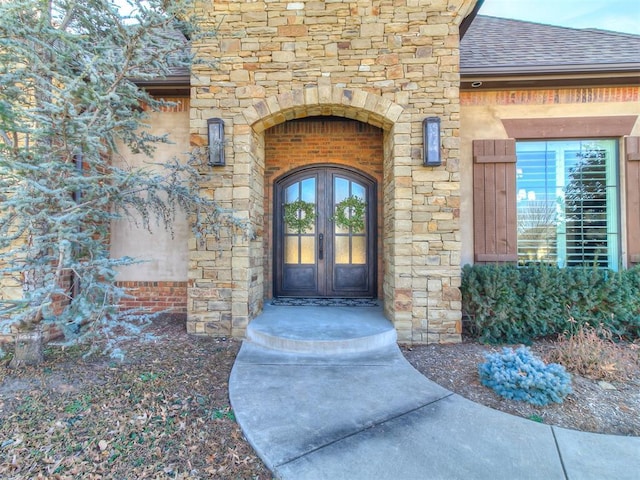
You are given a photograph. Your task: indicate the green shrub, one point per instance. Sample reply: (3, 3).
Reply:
(511, 304)
(520, 375)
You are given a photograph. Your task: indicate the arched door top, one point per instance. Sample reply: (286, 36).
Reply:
(323, 101)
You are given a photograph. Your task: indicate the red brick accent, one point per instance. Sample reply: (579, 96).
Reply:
(60, 301)
(311, 141)
(155, 296)
(180, 104)
(551, 96)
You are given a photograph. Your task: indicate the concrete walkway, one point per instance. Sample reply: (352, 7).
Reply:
(336, 412)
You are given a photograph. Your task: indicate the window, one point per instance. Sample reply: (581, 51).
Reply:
(567, 203)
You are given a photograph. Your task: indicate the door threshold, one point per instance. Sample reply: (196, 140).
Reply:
(324, 302)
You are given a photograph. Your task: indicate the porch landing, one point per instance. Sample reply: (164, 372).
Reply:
(321, 330)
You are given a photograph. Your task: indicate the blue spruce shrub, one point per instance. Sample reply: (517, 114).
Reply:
(520, 375)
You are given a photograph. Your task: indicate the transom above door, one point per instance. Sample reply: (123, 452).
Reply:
(324, 234)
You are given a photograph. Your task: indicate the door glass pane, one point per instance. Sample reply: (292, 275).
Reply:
(342, 250)
(357, 191)
(305, 191)
(358, 250)
(360, 192)
(341, 189)
(292, 193)
(308, 190)
(291, 249)
(308, 249)
(340, 192)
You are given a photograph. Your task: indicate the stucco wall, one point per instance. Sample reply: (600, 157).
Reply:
(166, 257)
(481, 117)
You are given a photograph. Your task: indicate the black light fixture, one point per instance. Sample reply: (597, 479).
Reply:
(431, 141)
(215, 128)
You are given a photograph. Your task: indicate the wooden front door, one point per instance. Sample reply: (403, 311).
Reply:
(320, 257)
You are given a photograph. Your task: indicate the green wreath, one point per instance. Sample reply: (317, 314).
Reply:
(350, 213)
(299, 215)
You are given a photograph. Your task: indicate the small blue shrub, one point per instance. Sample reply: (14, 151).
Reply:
(520, 375)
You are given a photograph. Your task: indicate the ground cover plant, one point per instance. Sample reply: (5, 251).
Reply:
(520, 375)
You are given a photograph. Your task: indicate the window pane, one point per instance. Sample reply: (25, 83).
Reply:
(586, 207)
(358, 250)
(342, 249)
(291, 249)
(307, 250)
(567, 202)
(536, 204)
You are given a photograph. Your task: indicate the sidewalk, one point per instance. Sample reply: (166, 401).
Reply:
(370, 415)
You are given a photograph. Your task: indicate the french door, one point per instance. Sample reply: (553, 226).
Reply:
(324, 234)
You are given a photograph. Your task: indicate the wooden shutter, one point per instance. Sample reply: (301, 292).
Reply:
(632, 180)
(494, 201)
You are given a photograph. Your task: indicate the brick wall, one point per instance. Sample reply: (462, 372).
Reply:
(551, 96)
(156, 296)
(328, 140)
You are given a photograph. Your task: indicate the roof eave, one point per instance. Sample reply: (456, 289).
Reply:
(548, 79)
(610, 68)
(468, 20)
(172, 85)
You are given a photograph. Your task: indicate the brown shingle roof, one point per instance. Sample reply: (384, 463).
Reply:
(502, 46)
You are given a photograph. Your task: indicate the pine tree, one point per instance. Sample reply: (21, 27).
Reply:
(69, 102)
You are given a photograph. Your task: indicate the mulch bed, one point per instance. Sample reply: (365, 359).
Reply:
(596, 405)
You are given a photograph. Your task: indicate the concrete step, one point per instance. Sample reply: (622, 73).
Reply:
(321, 330)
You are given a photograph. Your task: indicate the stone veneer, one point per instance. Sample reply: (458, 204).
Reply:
(388, 63)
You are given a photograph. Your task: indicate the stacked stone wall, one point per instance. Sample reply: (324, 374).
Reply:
(389, 63)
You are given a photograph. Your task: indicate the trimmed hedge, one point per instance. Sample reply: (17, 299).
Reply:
(510, 304)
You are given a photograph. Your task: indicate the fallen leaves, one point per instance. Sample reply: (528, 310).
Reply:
(162, 413)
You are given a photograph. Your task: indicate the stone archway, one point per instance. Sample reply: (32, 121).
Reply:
(235, 293)
(322, 100)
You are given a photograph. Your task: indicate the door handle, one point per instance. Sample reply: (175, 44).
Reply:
(320, 246)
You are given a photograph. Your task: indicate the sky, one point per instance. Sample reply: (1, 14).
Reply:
(615, 15)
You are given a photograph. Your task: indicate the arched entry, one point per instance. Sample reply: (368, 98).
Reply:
(322, 257)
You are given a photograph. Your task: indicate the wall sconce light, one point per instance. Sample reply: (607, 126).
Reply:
(215, 128)
(431, 141)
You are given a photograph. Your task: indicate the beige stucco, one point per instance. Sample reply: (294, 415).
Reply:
(164, 256)
(485, 122)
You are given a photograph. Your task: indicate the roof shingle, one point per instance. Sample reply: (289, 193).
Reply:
(499, 45)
